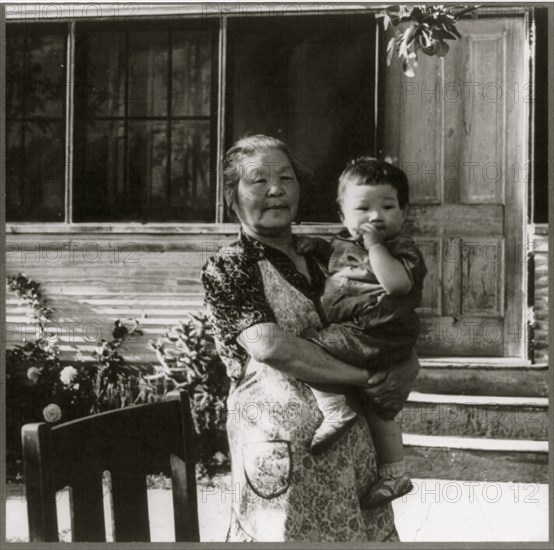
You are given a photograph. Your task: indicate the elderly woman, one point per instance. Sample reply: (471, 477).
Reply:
(262, 296)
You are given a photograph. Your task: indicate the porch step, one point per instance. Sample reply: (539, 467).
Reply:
(476, 465)
(475, 443)
(475, 362)
(477, 416)
(476, 437)
(482, 376)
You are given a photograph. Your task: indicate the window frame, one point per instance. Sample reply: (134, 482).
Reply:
(177, 15)
(74, 13)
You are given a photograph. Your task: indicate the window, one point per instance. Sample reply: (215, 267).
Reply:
(35, 122)
(144, 124)
(145, 111)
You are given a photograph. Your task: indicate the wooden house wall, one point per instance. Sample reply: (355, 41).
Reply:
(540, 295)
(92, 280)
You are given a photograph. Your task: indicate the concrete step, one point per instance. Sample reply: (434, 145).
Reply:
(499, 417)
(476, 443)
(476, 437)
(482, 376)
(476, 465)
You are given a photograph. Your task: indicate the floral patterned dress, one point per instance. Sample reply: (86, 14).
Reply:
(281, 492)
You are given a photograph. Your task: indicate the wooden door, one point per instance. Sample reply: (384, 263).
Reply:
(459, 129)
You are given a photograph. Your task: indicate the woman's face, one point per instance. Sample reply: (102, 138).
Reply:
(267, 194)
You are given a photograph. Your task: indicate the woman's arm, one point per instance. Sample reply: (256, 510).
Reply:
(387, 389)
(269, 344)
(240, 314)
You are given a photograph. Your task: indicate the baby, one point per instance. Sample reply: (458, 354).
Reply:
(374, 286)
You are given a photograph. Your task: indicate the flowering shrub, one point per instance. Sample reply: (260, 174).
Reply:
(187, 360)
(23, 403)
(57, 392)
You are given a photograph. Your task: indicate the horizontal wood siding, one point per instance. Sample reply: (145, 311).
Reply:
(540, 336)
(92, 280)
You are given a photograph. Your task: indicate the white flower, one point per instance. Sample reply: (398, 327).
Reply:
(68, 374)
(33, 374)
(52, 412)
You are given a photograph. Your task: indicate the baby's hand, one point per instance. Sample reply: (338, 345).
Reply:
(370, 234)
(311, 245)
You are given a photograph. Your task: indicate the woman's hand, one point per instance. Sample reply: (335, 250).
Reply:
(388, 390)
(314, 245)
(311, 245)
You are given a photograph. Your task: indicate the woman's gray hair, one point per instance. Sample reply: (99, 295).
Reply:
(244, 147)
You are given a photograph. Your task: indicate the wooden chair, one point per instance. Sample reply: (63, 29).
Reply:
(129, 443)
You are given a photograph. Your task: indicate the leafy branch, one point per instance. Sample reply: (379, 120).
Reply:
(424, 28)
(187, 359)
(29, 292)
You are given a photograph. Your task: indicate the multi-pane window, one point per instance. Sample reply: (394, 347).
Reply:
(144, 124)
(145, 119)
(35, 122)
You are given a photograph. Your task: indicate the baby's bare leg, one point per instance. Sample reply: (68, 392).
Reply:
(387, 436)
(393, 481)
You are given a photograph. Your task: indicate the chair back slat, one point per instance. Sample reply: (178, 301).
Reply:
(130, 506)
(185, 507)
(87, 509)
(40, 495)
(184, 510)
(129, 443)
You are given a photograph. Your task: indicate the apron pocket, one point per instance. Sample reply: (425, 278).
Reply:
(268, 467)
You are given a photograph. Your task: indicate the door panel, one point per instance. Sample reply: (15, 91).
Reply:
(461, 137)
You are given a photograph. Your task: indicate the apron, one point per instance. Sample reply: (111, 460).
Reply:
(280, 491)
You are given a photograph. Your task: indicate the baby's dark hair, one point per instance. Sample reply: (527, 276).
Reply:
(372, 171)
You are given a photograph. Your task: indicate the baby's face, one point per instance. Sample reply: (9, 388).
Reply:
(375, 204)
